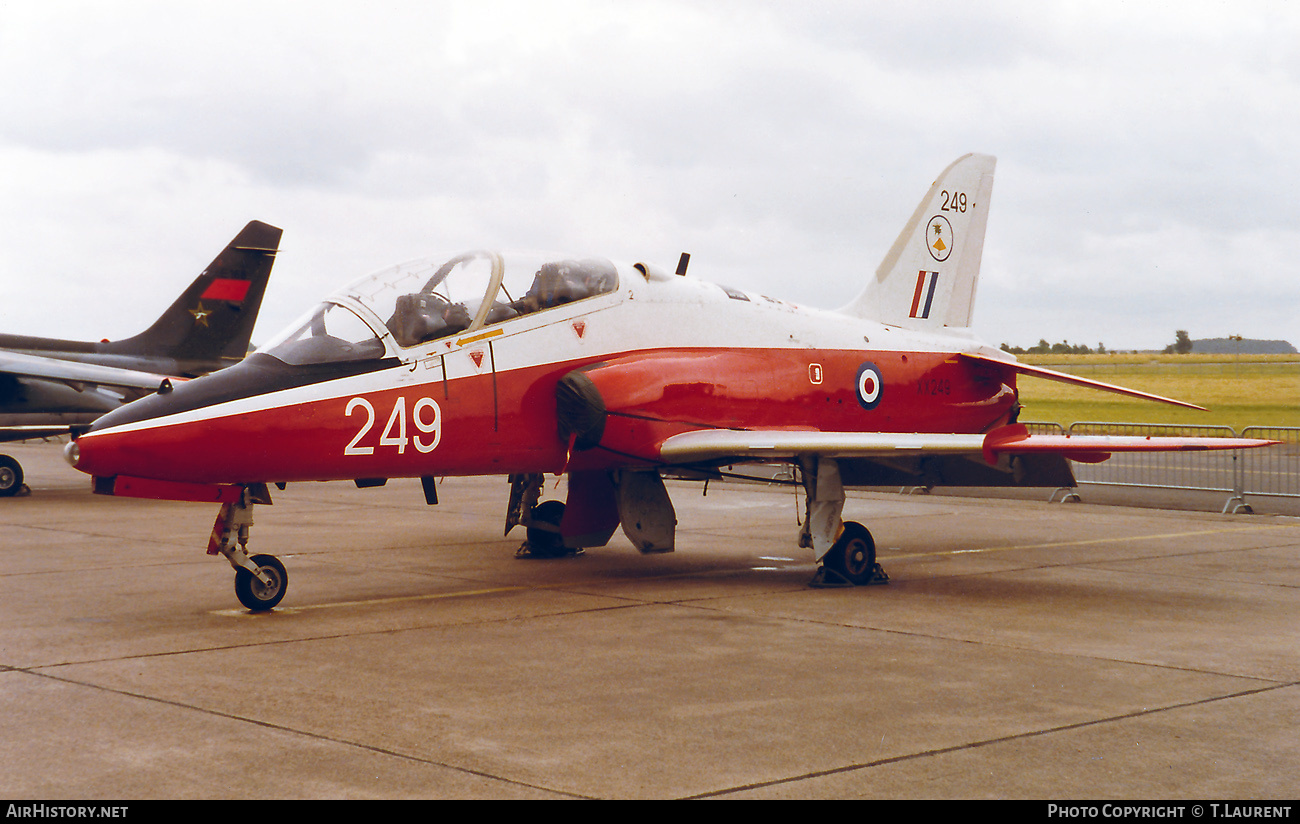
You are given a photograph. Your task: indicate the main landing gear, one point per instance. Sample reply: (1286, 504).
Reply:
(11, 477)
(845, 550)
(853, 558)
(541, 520)
(597, 504)
(260, 580)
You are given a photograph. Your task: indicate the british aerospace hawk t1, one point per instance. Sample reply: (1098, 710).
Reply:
(612, 375)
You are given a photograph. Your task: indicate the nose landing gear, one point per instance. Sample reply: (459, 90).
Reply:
(260, 580)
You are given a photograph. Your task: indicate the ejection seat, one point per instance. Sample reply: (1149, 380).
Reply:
(420, 317)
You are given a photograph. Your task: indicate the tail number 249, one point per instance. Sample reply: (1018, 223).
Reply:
(426, 416)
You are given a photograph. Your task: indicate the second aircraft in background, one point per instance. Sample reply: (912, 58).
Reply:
(50, 386)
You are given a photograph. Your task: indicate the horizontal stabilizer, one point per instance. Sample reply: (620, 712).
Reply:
(1064, 377)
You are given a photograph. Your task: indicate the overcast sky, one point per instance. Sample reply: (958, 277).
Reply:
(1147, 174)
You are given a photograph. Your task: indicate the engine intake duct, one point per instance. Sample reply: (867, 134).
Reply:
(579, 410)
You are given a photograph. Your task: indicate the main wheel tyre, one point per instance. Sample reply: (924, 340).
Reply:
(544, 539)
(254, 594)
(854, 554)
(11, 476)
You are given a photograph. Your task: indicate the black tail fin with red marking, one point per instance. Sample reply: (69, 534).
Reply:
(211, 323)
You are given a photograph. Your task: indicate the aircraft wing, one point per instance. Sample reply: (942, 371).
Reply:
(79, 376)
(26, 433)
(76, 373)
(1015, 439)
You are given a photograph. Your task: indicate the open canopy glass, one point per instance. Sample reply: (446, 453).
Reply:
(431, 298)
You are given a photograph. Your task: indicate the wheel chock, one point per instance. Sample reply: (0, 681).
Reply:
(526, 551)
(826, 578)
(829, 579)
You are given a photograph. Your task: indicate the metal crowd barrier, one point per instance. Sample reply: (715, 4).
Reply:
(1272, 471)
(1044, 428)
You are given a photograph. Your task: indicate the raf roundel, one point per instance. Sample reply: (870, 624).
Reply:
(870, 385)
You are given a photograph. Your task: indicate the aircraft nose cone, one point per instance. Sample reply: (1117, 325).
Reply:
(100, 456)
(127, 441)
(222, 428)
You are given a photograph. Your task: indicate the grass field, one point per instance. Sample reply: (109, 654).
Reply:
(1239, 391)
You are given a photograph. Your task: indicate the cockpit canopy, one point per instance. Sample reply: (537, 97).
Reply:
(432, 298)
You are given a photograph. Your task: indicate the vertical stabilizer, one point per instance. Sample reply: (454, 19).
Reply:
(928, 279)
(211, 323)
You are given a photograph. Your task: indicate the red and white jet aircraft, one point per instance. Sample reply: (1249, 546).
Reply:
(613, 375)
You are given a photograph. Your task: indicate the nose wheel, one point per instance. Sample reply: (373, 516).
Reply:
(257, 594)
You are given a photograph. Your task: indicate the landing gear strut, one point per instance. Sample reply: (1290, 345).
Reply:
(260, 580)
(845, 550)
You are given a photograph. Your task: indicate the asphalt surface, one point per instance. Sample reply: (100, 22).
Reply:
(1022, 649)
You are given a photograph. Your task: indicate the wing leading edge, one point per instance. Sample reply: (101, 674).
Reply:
(1015, 439)
(73, 372)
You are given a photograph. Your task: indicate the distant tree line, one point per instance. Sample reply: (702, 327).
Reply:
(1062, 348)
(1182, 345)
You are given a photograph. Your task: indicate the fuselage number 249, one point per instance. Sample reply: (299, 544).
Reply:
(426, 416)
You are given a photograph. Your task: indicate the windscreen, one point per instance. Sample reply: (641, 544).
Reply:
(329, 333)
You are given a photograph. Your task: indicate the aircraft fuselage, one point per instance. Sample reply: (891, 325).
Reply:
(668, 354)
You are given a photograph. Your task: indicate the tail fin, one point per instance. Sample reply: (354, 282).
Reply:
(211, 323)
(928, 279)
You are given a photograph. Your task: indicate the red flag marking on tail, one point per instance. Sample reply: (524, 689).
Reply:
(226, 289)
